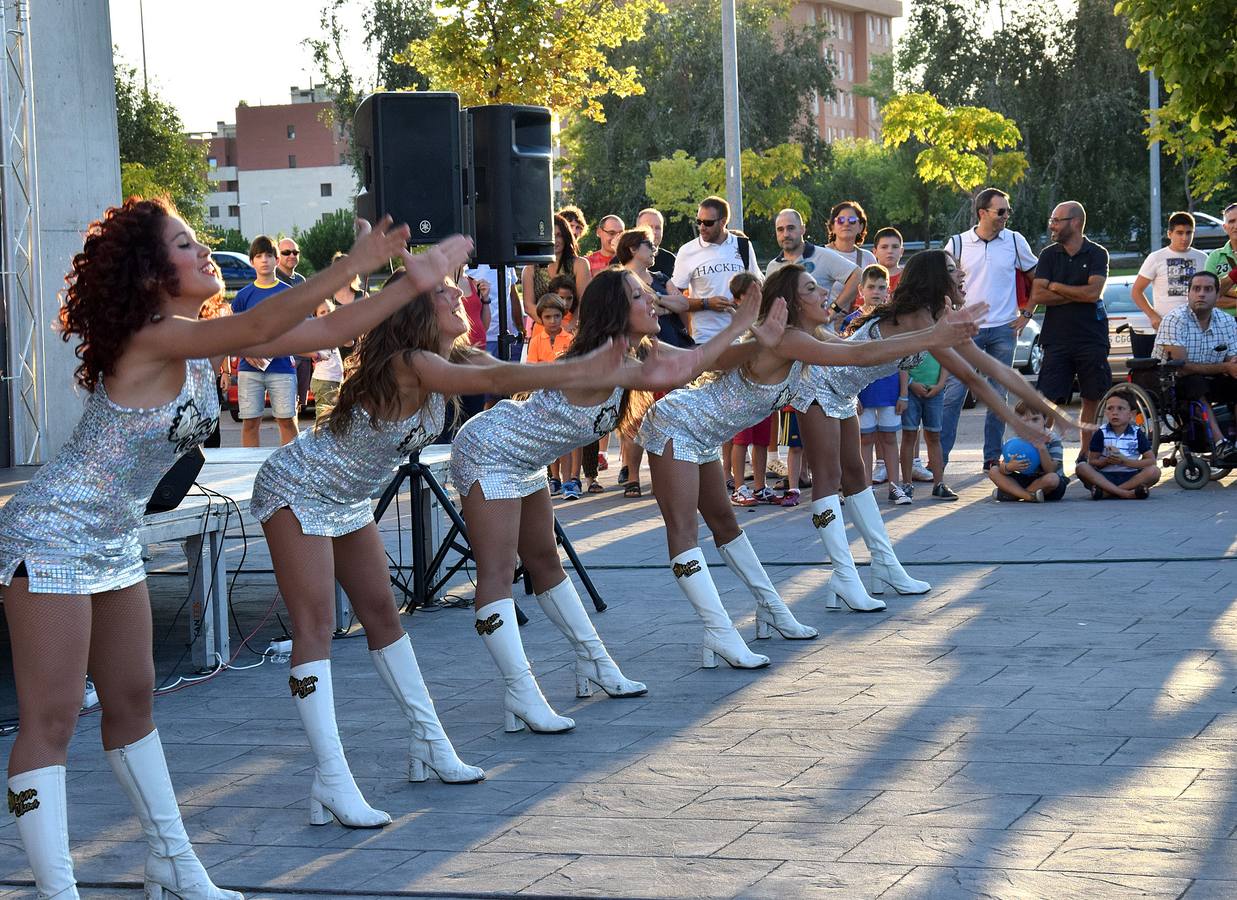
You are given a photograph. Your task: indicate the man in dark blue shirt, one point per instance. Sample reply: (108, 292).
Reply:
(1069, 281)
(257, 377)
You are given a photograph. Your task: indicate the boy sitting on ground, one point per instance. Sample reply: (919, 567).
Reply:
(1037, 480)
(1120, 462)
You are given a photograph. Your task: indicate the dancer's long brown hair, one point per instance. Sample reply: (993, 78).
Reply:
(924, 284)
(369, 380)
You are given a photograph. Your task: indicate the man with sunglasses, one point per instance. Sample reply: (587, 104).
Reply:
(608, 231)
(704, 266)
(285, 271)
(993, 256)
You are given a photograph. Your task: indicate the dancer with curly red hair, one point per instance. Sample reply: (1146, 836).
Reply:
(76, 597)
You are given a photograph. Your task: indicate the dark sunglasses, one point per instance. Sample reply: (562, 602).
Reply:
(847, 220)
(706, 223)
(1001, 213)
(289, 252)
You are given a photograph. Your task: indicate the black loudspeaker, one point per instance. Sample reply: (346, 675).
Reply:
(173, 487)
(411, 161)
(510, 183)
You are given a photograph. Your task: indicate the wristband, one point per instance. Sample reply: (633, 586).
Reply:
(1027, 313)
(904, 399)
(704, 303)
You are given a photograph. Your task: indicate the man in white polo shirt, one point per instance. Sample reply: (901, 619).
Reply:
(992, 256)
(704, 266)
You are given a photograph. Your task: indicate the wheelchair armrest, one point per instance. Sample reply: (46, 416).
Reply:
(1139, 364)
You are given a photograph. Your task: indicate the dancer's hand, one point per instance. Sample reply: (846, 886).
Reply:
(748, 309)
(769, 332)
(958, 325)
(375, 246)
(1036, 434)
(427, 270)
(663, 370)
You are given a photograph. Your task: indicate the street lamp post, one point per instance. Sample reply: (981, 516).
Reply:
(730, 122)
(262, 215)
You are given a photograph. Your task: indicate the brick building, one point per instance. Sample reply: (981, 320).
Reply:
(277, 167)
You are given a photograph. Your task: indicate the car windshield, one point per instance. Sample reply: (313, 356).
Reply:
(1117, 298)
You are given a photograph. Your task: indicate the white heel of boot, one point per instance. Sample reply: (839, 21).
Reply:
(513, 723)
(417, 771)
(155, 891)
(708, 658)
(878, 584)
(584, 687)
(831, 600)
(319, 814)
(764, 626)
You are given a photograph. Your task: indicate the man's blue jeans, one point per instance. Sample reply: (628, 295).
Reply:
(998, 342)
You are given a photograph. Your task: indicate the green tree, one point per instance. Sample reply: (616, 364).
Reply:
(676, 185)
(780, 71)
(320, 241)
(542, 52)
(155, 158)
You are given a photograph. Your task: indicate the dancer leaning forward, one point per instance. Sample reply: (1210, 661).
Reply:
(76, 597)
(498, 465)
(931, 285)
(313, 499)
(683, 430)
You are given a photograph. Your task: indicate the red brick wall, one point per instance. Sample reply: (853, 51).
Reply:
(262, 140)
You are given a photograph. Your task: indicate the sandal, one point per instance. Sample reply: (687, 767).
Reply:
(595, 488)
(631, 489)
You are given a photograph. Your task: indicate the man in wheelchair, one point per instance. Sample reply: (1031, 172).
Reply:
(1206, 345)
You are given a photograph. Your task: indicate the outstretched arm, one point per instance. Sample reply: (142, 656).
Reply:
(1015, 384)
(955, 328)
(483, 374)
(960, 365)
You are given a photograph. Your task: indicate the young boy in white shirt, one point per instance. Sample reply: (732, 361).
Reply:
(1120, 462)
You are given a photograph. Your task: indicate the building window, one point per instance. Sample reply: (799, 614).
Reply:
(212, 163)
(291, 132)
(214, 212)
(325, 187)
(234, 212)
(291, 160)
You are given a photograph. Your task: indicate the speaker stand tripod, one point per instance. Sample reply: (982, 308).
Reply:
(426, 569)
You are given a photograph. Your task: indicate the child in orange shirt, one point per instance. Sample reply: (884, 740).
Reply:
(548, 343)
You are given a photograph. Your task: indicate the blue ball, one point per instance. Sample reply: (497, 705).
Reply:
(1017, 448)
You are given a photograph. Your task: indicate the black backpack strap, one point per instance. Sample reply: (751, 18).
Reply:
(745, 250)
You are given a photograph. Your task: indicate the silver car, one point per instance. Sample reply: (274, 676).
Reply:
(1122, 310)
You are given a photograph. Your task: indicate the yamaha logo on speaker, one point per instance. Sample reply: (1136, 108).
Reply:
(541, 227)
(425, 226)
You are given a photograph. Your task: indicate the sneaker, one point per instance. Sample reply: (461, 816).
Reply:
(743, 497)
(919, 472)
(556, 487)
(943, 491)
(622, 478)
(879, 475)
(766, 495)
(571, 489)
(898, 495)
(1097, 492)
(1038, 496)
(791, 498)
(1142, 492)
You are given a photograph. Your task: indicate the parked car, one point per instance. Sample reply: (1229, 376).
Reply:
(1122, 310)
(235, 269)
(1208, 232)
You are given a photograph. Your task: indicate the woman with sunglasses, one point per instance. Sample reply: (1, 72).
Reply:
(848, 226)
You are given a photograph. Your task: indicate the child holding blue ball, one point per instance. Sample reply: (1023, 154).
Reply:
(1030, 470)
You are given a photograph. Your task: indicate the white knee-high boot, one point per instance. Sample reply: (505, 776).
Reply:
(334, 792)
(865, 512)
(523, 700)
(37, 802)
(429, 748)
(844, 582)
(772, 614)
(721, 638)
(172, 868)
(561, 605)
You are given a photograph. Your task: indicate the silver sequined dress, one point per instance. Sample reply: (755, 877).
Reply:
(327, 480)
(76, 523)
(506, 448)
(836, 388)
(701, 417)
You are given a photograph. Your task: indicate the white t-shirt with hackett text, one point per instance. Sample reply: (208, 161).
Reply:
(1169, 272)
(990, 267)
(706, 269)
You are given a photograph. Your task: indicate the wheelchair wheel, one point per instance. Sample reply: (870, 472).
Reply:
(1145, 414)
(1192, 473)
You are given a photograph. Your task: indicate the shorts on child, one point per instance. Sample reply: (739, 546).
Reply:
(879, 418)
(1025, 481)
(924, 412)
(758, 435)
(1117, 478)
(252, 388)
(793, 438)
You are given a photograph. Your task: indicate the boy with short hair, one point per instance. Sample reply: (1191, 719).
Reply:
(1119, 461)
(1039, 480)
(883, 401)
(548, 343)
(757, 437)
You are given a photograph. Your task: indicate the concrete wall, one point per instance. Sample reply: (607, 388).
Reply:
(294, 197)
(79, 171)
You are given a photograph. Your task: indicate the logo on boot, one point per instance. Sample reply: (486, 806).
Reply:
(820, 520)
(489, 625)
(26, 801)
(687, 569)
(303, 687)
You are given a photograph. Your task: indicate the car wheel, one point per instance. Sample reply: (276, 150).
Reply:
(1035, 359)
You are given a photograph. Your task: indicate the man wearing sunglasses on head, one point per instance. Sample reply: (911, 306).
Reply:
(704, 266)
(994, 258)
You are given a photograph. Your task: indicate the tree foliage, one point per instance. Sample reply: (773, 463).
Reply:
(676, 185)
(965, 147)
(332, 233)
(543, 52)
(155, 158)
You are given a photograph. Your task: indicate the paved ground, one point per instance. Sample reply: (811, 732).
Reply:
(1056, 718)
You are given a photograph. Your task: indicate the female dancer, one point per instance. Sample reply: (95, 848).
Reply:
(683, 431)
(498, 465)
(69, 550)
(931, 282)
(313, 499)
